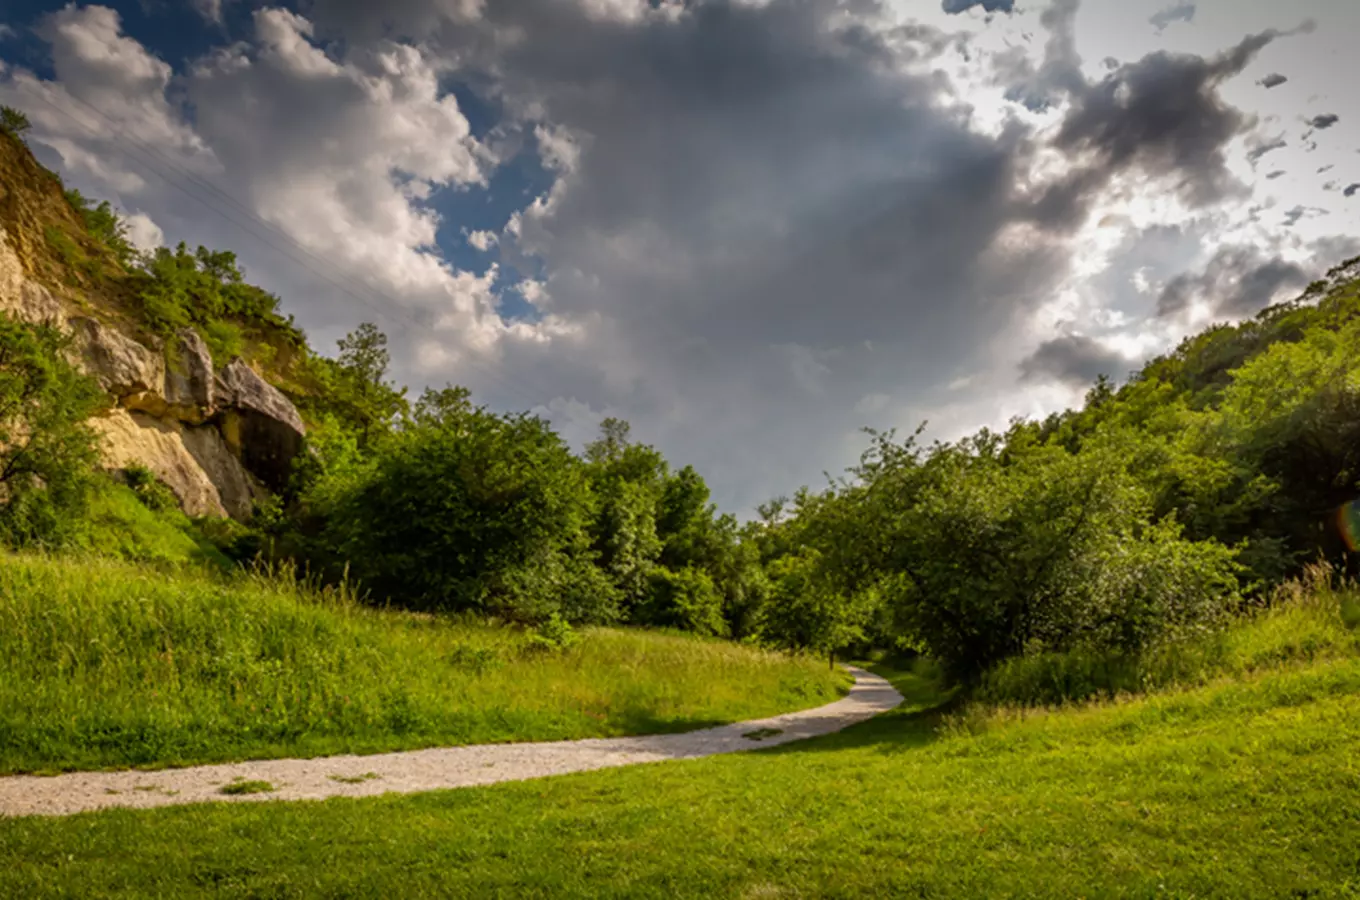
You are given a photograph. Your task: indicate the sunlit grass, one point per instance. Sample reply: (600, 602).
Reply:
(110, 665)
(1241, 789)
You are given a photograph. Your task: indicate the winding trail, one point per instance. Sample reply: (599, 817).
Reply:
(428, 770)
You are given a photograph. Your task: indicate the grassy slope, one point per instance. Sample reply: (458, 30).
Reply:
(1239, 789)
(107, 664)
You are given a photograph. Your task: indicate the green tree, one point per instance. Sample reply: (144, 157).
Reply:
(47, 452)
(105, 225)
(13, 122)
(469, 510)
(369, 400)
(627, 480)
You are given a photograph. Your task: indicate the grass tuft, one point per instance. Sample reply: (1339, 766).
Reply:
(242, 786)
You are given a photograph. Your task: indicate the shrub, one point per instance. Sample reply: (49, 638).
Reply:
(150, 491)
(684, 599)
(466, 510)
(47, 452)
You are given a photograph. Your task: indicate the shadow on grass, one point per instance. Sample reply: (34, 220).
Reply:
(914, 724)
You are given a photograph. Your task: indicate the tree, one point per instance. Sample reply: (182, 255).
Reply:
(47, 452)
(105, 225)
(686, 599)
(469, 510)
(13, 122)
(805, 612)
(627, 480)
(370, 401)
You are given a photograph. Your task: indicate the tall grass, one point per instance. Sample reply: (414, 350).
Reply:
(108, 664)
(1314, 617)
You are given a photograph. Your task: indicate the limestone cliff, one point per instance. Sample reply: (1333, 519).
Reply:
(219, 440)
(219, 437)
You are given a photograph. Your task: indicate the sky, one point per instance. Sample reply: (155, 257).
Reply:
(752, 228)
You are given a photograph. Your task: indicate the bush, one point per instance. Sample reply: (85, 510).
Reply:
(150, 491)
(47, 452)
(1303, 620)
(1045, 551)
(685, 599)
(466, 510)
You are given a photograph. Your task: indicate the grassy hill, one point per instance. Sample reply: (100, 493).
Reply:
(111, 665)
(1237, 787)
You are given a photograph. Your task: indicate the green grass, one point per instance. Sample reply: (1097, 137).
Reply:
(1238, 789)
(111, 665)
(118, 524)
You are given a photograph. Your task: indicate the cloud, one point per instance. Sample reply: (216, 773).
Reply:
(1238, 280)
(143, 233)
(767, 224)
(954, 7)
(1075, 360)
(482, 240)
(1324, 121)
(1274, 79)
(6, 32)
(1352, 189)
(1261, 149)
(1162, 115)
(1177, 12)
(210, 10)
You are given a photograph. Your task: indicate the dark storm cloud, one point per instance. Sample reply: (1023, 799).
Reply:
(1179, 12)
(1163, 115)
(1274, 79)
(1074, 360)
(1278, 173)
(1324, 121)
(1353, 189)
(957, 6)
(1239, 281)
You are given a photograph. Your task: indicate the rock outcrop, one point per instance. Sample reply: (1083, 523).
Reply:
(123, 367)
(259, 423)
(217, 439)
(194, 462)
(190, 386)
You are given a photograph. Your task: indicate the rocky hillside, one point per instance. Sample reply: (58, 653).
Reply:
(216, 432)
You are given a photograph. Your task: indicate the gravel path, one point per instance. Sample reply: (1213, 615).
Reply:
(428, 770)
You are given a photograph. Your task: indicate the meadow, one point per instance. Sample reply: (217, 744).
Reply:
(108, 664)
(1244, 783)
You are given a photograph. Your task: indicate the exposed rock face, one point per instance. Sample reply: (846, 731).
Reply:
(259, 423)
(25, 300)
(193, 462)
(123, 367)
(190, 393)
(215, 439)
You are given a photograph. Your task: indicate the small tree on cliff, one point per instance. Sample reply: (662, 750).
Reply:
(13, 122)
(47, 452)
